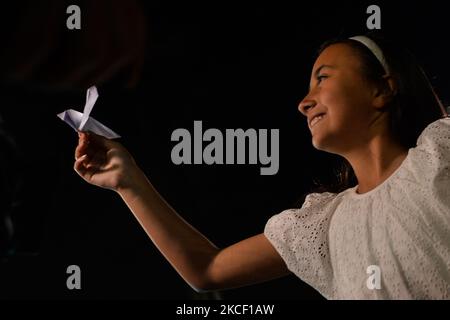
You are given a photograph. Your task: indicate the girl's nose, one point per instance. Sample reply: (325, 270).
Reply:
(305, 105)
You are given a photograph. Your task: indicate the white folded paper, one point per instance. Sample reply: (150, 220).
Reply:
(83, 122)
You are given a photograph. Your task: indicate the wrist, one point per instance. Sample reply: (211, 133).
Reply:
(134, 181)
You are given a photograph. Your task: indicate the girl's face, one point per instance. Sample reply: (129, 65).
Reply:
(343, 97)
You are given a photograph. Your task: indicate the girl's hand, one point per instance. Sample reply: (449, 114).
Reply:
(104, 163)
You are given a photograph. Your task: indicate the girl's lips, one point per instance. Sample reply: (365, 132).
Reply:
(317, 118)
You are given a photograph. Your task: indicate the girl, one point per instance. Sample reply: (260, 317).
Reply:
(387, 237)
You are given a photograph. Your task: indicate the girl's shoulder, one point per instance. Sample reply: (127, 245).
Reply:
(437, 132)
(433, 148)
(315, 206)
(318, 199)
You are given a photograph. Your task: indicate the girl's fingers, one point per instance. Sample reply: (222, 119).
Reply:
(86, 167)
(83, 165)
(82, 146)
(90, 142)
(100, 140)
(79, 165)
(80, 162)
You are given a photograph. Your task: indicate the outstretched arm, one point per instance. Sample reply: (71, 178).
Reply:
(202, 265)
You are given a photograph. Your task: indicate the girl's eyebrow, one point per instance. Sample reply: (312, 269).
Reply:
(321, 67)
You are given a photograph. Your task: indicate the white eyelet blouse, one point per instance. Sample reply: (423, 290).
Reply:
(392, 242)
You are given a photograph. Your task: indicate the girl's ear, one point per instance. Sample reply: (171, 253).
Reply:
(385, 92)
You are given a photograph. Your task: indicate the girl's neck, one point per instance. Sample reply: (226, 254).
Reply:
(375, 164)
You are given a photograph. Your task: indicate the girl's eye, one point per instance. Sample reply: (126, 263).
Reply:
(321, 77)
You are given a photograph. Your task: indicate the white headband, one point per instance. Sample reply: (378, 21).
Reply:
(374, 48)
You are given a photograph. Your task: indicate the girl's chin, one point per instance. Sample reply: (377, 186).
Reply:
(316, 144)
(320, 143)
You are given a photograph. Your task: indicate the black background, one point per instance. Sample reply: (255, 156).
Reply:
(228, 64)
